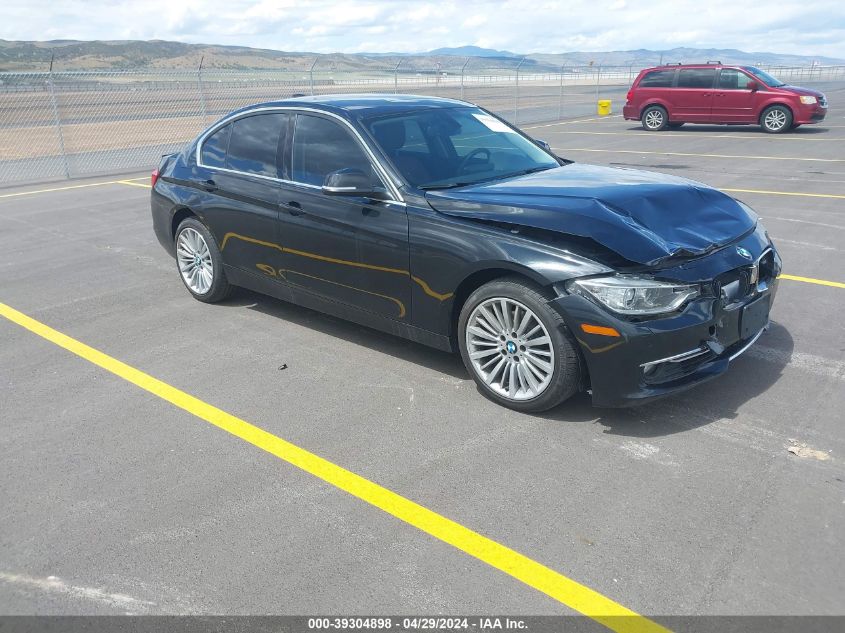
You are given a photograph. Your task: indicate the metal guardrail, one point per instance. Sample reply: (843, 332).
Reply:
(67, 124)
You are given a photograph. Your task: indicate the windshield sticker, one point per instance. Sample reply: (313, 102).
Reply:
(493, 124)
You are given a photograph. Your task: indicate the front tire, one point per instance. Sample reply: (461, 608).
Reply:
(655, 118)
(776, 119)
(199, 262)
(518, 349)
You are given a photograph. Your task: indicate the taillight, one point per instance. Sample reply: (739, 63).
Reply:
(154, 178)
(630, 93)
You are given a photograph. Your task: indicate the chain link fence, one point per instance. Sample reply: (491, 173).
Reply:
(76, 123)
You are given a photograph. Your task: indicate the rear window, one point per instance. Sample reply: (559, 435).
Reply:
(658, 79)
(255, 139)
(214, 148)
(696, 77)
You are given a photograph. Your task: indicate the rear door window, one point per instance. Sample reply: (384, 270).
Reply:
(733, 79)
(214, 147)
(696, 77)
(658, 79)
(255, 143)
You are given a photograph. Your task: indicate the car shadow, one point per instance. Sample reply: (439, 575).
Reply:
(749, 376)
(376, 340)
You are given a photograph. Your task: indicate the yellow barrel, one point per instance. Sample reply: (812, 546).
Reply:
(604, 107)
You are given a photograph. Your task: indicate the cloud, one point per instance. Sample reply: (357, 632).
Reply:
(788, 26)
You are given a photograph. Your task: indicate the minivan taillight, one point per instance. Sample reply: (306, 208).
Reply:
(154, 178)
(630, 93)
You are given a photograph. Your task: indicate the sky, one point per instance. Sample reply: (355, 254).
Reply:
(353, 26)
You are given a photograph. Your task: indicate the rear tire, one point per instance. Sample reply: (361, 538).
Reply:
(199, 262)
(533, 371)
(654, 118)
(776, 119)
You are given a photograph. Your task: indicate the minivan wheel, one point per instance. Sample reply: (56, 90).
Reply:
(655, 119)
(199, 262)
(776, 119)
(518, 349)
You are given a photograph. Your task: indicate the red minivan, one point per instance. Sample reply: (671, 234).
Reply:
(669, 96)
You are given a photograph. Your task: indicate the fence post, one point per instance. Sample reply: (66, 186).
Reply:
(57, 120)
(516, 102)
(598, 81)
(203, 108)
(560, 99)
(463, 68)
(396, 77)
(311, 76)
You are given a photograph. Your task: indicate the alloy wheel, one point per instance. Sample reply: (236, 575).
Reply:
(775, 119)
(194, 260)
(654, 119)
(510, 348)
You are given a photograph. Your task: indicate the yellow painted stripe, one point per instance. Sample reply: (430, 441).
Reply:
(134, 184)
(597, 118)
(810, 280)
(68, 187)
(788, 193)
(634, 151)
(565, 590)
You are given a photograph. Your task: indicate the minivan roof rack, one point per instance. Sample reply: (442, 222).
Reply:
(673, 64)
(713, 61)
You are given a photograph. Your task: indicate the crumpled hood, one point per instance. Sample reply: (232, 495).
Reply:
(644, 217)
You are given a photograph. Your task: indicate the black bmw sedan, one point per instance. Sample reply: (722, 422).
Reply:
(435, 220)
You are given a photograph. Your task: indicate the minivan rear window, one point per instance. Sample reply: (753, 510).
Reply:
(696, 77)
(658, 79)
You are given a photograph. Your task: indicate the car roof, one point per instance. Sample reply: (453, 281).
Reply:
(694, 65)
(362, 105)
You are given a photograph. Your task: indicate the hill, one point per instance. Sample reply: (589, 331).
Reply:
(129, 54)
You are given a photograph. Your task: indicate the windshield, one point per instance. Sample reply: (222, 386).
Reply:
(766, 78)
(451, 147)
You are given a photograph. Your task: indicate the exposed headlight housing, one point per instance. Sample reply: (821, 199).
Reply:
(808, 99)
(632, 295)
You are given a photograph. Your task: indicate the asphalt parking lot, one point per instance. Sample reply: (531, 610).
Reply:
(729, 499)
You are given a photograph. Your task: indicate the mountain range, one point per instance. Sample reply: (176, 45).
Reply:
(129, 54)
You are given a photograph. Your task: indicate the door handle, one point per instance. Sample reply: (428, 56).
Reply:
(209, 185)
(706, 94)
(294, 208)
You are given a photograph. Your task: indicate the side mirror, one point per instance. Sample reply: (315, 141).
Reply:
(544, 145)
(349, 182)
(753, 86)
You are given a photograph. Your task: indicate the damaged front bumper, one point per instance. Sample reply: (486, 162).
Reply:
(656, 357)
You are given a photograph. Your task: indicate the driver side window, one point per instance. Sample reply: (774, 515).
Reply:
(320, 147)
(732, 79)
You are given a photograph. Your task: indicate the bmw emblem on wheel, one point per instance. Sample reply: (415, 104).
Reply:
(743, 252)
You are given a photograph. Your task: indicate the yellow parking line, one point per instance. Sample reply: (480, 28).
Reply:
(597, 118)
(134, 184)
(810, 280)
(694, 135)
(787, 193)
(90, 184)
(565, 590)
(633, 151)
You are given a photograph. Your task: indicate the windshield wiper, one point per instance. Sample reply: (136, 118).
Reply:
(448, 185)
(464, 183)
